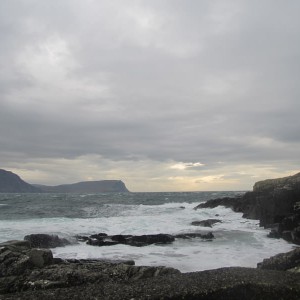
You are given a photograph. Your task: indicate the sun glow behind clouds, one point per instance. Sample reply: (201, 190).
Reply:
(183, 165)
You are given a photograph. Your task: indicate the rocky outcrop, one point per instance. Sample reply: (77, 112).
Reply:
(101, 186)
(17, 257)
(206, 223)
(191, 235)
(102, 239)
(275, 203)
(41, 240)
(287, 183)
(23, 268)
(93, 279)
(289, 261)
(12, 183)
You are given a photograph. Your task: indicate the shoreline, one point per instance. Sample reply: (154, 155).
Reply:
(29, 271)
(33, 273)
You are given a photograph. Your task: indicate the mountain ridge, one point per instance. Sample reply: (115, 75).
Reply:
(12, 183)
(99, 186)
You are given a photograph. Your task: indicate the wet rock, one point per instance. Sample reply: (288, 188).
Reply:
(206, 223)
(16, 245)
(46, 241)
(131, 240)
(143, 240)
(98, 235)
(101, 242)
(274, 234)
(16, 257)
(225, 201)
(206, 236)
(273, 201)
(282, 261)
(40, 257)
(117, 282)
(94, 279)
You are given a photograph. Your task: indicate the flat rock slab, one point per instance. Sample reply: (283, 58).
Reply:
(219, 284)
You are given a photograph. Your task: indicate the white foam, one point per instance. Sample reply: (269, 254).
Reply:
(238, 242)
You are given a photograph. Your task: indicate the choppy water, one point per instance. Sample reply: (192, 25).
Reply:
(238, 242)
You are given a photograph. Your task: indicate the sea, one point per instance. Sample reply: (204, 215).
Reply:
(238, 241)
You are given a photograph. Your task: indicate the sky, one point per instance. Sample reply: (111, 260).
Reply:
(165, 95)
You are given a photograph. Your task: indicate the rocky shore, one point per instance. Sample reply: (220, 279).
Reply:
(29, 271)
(33, 273)
(274, 202)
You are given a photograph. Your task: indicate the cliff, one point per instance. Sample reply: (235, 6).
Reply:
(288, 183)
(12, 183)
(274, 202)
(102, 186)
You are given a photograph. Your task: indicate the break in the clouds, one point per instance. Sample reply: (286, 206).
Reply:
(165, 95)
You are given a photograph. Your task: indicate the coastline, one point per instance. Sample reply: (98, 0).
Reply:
(33, 273)
(29, 271)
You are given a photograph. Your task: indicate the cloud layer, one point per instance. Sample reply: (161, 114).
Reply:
(166, 95)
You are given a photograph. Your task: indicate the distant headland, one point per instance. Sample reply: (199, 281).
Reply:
(12, 183)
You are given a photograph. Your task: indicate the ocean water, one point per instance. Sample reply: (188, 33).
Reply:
(238, 241)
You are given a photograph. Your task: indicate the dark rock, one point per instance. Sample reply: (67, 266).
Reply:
(142, 240)
(131, 240)
(16, 245)
(102, 242)
(289, 222)
(16, 257)
(122, 239)
(286, 183)
(40, 257)
(206, 223)
(206, 236)
(282, 261)
(98, 235)
(150, 239)
(274, 234)
(46, 241)
(81, 238)
(94, 279)
(296, 235)
(104, 281)
(226, 201)
(34, 269)
(272, 201)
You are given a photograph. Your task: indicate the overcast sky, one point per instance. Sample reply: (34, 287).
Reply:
(165, 95)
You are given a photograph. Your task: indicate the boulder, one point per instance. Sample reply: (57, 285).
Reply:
(46, 241)
(206, 223)
(40, 257)
(16, 245)
(16, 257)
(282, 261)
(149, 239)
(205, 236)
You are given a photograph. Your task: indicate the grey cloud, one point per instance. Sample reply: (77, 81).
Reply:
(185, 81)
